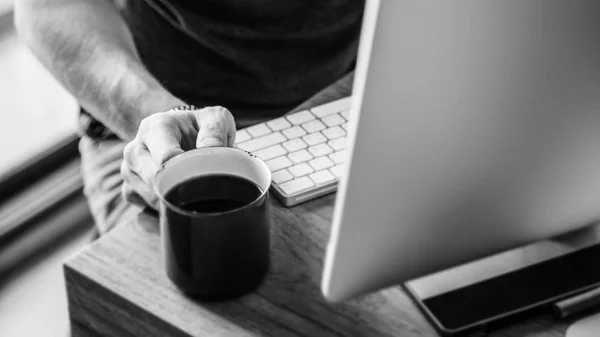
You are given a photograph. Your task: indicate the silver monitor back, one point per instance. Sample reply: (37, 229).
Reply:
(475, 128)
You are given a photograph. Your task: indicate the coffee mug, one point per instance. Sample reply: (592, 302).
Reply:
(214, 221)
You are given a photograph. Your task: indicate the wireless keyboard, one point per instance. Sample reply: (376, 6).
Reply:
(305, 150)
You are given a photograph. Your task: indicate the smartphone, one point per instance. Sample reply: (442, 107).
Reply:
(480, 304)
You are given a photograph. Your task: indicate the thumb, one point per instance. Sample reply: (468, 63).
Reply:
(214, 126)
(211, 136)
(209, 142)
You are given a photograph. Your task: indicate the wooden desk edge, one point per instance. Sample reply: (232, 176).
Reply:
(94, 307)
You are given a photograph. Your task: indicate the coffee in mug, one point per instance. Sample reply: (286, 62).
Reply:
(214, 221)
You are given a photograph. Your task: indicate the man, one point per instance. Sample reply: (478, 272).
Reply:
(135, 66)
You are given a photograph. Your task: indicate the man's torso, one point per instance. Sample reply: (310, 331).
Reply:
(258, 58)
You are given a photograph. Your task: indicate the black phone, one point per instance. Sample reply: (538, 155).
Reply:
(474, 306)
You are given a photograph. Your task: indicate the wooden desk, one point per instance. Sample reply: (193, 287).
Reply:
(117, 287)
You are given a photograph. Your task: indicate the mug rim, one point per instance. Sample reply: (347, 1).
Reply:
(193, 152)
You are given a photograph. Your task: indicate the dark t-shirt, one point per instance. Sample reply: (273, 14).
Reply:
(258, 58)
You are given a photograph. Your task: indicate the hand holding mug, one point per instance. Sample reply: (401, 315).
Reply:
(164, 135)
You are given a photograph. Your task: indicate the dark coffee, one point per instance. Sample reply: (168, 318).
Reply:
(218, 249)
(214, 193)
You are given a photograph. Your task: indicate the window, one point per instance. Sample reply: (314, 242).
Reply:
(39, 169)
(35, 110)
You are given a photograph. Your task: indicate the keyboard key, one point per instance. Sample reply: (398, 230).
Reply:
(333, 120)
(259, 130)
(296, 185)
(294, 145)
(281, 176)
(242, 136)
(300, 156)
(262, 142)
(314, 139)
(337, 170)
(338, 143)
(278, 163)
(300, 117)
(270, 152)
(334, 132)
(294, 132)
(278, 124)
(345, 126)
(313, 126)
(321, 163)
(300, 170)
(331, 107)
(322, 177)
(338, 157)
(320, 150)
(345, 114)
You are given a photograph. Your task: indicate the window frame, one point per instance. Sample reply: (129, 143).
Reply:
(53, 175)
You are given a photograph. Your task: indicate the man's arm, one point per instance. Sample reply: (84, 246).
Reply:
(89, 49)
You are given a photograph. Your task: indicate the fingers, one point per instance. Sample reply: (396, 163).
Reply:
(137, 192)
(231, 134)
(137, 158)
(161, 135)
(159, 138)
(216, 127)
(133, 197)
(138, 170)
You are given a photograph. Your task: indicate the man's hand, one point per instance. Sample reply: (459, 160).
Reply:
(164, 135)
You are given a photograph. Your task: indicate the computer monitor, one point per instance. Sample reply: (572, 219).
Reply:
(474, 128)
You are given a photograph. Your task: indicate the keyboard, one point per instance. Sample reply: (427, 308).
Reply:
(305, 151)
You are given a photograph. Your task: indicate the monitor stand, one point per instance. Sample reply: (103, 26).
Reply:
(480, 271)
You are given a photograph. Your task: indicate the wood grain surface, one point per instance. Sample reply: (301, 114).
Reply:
(117, 287)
